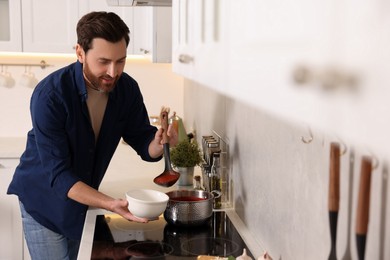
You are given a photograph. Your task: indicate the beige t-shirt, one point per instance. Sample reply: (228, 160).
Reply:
(96, 102)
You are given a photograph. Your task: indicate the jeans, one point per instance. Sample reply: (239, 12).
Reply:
(44, 244)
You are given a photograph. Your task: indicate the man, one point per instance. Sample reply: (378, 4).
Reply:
(79, 114)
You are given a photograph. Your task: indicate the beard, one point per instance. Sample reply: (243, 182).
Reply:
(104, 83)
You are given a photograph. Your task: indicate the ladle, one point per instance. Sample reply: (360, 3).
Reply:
(169, 176)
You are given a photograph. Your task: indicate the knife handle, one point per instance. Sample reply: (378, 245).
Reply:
(363, 206)
(334, 178)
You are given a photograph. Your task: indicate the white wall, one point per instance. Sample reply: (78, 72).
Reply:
(160, 87)
(281, 184)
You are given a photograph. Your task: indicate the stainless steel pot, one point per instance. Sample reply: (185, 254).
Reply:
(189, 207)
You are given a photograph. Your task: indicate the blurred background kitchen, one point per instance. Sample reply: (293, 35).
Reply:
(278, 81)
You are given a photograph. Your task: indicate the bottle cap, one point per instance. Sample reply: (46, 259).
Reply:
(216, 154)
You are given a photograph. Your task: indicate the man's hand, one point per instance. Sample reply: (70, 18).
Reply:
(172, 135)
(156, 146)
(119, 206)
(87, 195)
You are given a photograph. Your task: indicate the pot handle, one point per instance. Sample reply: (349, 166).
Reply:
(216, 193)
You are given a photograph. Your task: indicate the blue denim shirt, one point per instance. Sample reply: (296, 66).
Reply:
(61, 147)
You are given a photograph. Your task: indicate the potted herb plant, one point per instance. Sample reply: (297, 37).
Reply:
(184, 157)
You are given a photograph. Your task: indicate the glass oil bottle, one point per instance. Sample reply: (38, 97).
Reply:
(215, 181)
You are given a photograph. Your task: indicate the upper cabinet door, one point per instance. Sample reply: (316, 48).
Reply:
(274, 42)
(323, 63)
(49, 26)
(153, 33)
(10, 26)
(199, 42)
(162, 34)
(142, 31)
(320, 63)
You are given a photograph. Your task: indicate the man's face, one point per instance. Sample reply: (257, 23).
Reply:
(103, 64)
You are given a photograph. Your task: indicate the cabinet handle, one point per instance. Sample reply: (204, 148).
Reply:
(144, 51)
(328, 78)
(184, 58)
(302, 75)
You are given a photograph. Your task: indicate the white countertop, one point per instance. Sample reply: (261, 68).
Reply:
(12, 147)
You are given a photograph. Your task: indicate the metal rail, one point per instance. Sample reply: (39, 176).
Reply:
(42, 64)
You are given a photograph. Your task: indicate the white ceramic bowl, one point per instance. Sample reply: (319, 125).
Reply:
(145, 203)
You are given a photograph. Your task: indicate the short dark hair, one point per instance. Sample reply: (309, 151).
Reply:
(106, 25)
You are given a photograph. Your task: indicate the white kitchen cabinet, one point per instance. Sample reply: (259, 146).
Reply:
(55, 32)
(200, 41)
(231, 46)
(153, 33)
(10, 26)
(183, 49)
(269, 42)
(49, 31)
(322, 64)
(343, 50)
(11, 235)
(49, 26)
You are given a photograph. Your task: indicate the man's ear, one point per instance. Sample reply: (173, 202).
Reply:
(80, 53)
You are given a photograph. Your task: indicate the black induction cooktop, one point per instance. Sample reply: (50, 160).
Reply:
(117, 238)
